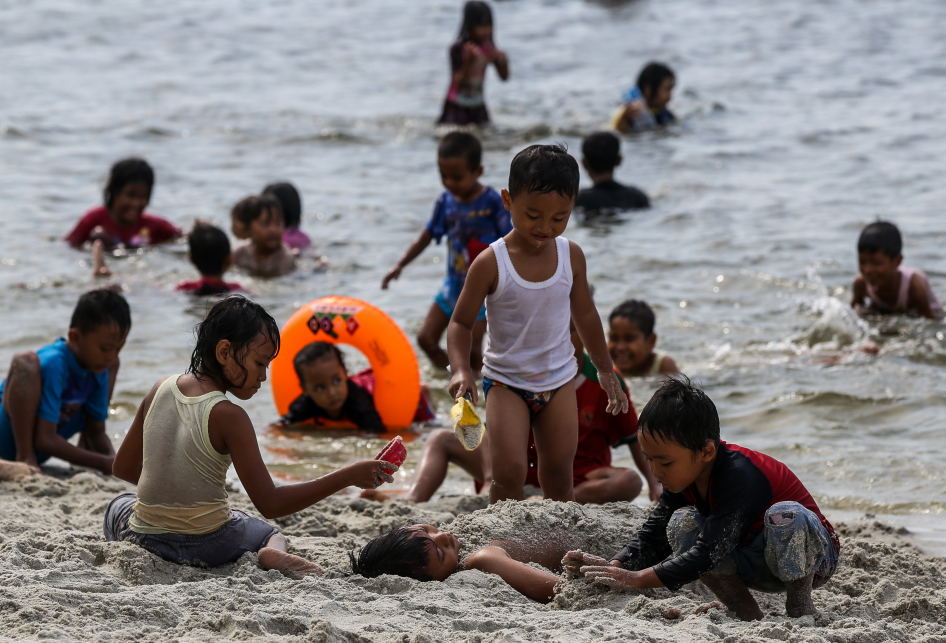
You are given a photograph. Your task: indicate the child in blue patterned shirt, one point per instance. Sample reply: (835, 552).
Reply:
(471, 216)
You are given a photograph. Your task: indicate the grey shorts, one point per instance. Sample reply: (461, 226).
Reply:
(241, 534)
(790, 547)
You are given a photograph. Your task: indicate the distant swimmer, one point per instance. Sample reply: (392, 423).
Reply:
(632, 342)
(601, 153)
(260, 220)
(471, 216)
(645, 104)
(470, 57)
(122, 220)
(883, 285)
(291, 202)
(209, 251)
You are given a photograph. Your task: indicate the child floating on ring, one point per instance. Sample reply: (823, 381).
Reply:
(534, 283)
(645, 104)
(186, 435)
(883, 285)
(733, 518)
(330, 393)
(470, 57)
(471, 216)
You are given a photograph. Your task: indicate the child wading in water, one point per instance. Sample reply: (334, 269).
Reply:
(184, 438)
(532, 280)
(260, 219)
(470, 56)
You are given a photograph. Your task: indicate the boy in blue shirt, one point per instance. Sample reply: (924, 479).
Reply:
(64, 389)
(472, 216)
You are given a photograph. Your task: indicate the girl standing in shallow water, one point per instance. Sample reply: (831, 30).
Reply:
(470, 56)
(184, 438)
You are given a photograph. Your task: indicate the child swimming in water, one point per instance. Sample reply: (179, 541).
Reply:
(534, 282)
(470, 57)
(291, 202)
(731, 517)
(183, 440)
(329, 392)
(209, 251)
(632, 341)
(123, 220)
(645, 104)
(885, 286)
(601, 153)
(260, 219)
(471, 216)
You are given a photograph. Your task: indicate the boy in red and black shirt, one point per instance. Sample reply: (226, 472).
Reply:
(731, 517)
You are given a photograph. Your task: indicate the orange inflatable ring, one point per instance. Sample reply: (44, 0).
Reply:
(345, 320)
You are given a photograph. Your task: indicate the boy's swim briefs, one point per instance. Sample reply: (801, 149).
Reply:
(535, 401)
(241, 534)
(447, 308)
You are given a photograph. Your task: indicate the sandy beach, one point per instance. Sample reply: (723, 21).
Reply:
(60, 580)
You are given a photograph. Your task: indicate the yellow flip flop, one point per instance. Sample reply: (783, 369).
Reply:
(467, 425)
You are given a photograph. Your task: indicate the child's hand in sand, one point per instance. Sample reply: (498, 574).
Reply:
(371, 474)
(575, 560)
(617, 400)
(614, 577)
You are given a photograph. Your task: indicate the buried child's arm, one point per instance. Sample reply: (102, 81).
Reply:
(420, 243)
(127, 465)
(480, 282)
(232, 432)
(588, 323)
(530, 582)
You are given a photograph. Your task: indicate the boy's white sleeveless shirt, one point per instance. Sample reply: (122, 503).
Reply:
(528, 341)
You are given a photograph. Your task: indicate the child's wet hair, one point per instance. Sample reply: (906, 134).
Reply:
(239, 320)
(101, 307)
(289, 201)
(313, 352)
(652, 77)
(252, 208)
(601, 151)
(130, 170)
(682, 413)
(461, 145)
(398, 553)
(475, 14)
(209, 249)
(544, 169)
(883, 236)
(636, 312)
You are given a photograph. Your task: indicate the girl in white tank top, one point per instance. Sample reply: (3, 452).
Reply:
(534, 283)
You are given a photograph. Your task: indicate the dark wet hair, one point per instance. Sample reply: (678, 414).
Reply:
(652, 77)
(475, 14)
(602, 151)
(397, 553)
(461, 145)
(101, 307)
(883, 236)
(682, 413)
(209, 249)
(289, 200)
(314, 352)
(636, 312)
(130, 170)
(239, 320)
(544, 169)
(252, 208)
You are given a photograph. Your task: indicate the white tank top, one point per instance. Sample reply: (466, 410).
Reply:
(528, 345)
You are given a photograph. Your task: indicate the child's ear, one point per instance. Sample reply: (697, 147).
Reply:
(228, 262)
(708, 452)
(478, 172)
(507, 200)
(73, 335)
(897, 260)
(620, 158)
(584, 164)
(651, 342)
(223, 351)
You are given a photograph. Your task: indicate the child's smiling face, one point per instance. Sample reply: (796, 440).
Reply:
(878, 268)
(537, 218)
(325, 382)
(456, 175)
(628, 346)
(129, 203)
(266, 231)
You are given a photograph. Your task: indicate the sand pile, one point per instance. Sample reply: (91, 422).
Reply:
(60, 580)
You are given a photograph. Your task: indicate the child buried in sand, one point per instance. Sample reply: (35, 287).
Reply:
(330, 393)
(733, 518)
(184, 438)
(533, 281)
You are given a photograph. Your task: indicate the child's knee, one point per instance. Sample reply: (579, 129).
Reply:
(684, 526)
(796, 542)
(428, 341)
(441, 440)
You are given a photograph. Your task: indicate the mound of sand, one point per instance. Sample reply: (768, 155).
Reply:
(59, 579)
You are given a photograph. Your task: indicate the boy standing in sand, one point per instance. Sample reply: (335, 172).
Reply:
(883, 285)
(64, 389)
(471, 216)
(731, 517)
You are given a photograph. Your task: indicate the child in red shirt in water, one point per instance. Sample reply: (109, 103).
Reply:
(123, 220)
(594, 478)
(209, 251)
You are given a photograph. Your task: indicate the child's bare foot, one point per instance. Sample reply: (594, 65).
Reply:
(16, 470)
(798, 598)
(294, 567)
(99, 269)
(375, 494)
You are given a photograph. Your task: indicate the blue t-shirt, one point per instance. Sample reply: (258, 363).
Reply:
(70, 393)
(470, 228)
